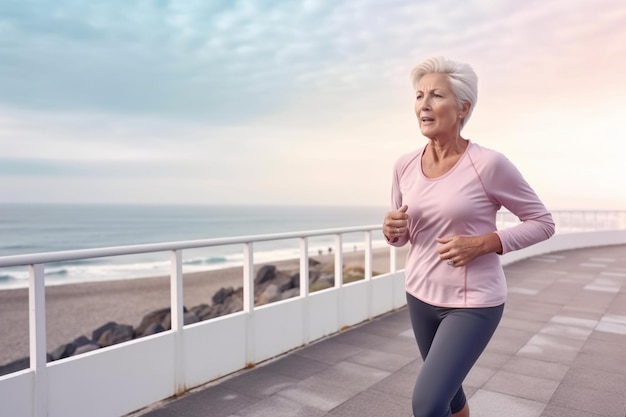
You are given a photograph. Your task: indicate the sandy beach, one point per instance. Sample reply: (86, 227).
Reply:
(73, 310)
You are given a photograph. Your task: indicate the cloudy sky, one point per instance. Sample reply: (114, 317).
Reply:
(299, 102)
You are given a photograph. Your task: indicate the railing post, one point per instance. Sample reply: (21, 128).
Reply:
(393, 259)
(37, 330)
(304, 288)
(368, 272)
(368, 255)
(248, 302)
(178, 320)
(339, 278)
(338, 261)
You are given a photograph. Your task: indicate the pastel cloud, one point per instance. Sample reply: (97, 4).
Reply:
(216, 92)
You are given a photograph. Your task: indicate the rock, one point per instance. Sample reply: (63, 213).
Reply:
(216, 311)
(15, 366)
(167, 321)
(76, 347)
(283, 281)
(81, 340)
(153, 328)
(223, 293)
(121, 333)
(201, 311)
(85, 348)
(63, 351)
(116, 334)
(190, 318)
(270, 295)
(314, 275)
(265, 273)
(96, 334)
(353, 272)
(327, 278)
(233, 305)
(294, 292)
(155, 316)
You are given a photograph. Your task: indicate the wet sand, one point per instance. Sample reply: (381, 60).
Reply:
(73, 310)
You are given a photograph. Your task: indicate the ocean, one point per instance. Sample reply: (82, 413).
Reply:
(38, 228)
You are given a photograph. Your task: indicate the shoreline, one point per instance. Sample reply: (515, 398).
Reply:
(77, 309)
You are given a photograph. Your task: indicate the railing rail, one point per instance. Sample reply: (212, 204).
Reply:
(568, 221)
(61, 256)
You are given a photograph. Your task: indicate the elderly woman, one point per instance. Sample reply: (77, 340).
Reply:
(444, 201)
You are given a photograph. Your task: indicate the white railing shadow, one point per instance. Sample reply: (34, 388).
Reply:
(146, 370)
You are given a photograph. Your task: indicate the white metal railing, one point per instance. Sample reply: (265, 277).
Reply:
(37, 308)
(39, 385)
(572, 221)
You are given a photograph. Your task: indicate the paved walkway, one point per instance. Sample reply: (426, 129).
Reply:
(560, 351)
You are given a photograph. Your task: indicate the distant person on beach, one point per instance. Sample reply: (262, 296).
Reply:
(444, 199)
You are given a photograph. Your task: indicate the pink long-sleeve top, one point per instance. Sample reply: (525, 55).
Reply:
(464, 201)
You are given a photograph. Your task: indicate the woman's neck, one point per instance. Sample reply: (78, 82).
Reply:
(441, 148)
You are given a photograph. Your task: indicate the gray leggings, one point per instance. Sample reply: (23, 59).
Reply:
(450, 341)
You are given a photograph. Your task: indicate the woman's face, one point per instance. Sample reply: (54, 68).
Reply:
(436, 107)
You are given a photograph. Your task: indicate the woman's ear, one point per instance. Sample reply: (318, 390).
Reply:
(465, 108)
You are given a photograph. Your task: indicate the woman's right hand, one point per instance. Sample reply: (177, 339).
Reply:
(395, 224)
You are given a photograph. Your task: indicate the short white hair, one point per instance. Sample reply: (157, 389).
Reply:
(462, 78)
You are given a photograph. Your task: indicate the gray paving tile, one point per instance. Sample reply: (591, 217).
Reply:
(296, 366)
(526, 312)
(573, 319)
(608, 337)
(318, 393)
(556, 411)
(374, 404)
(552, 348)
(493, 360)
(508, 341)
(279, 407)
(556, 294)
(259, 382)
(387, 328)
(400, 383)
(469, 392)
(529, 387)
(612, 323)
(389, 362)
(328, 351)
(599, 380)
(521, 324)
(614, 351)
(215, 401)
(161, 412)
(582, 311)
(594, 361)
(560, 330)
(537, 368)
(492, 404)
(593, 300)
(346, 374)
(618, 305)
(401, 345)
(361, 338)
(478, 376)
(589, 400)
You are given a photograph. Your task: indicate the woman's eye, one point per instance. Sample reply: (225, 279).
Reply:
(419, 96)
(438, 95)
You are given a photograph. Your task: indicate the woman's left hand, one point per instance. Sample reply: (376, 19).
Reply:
(461, 250)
